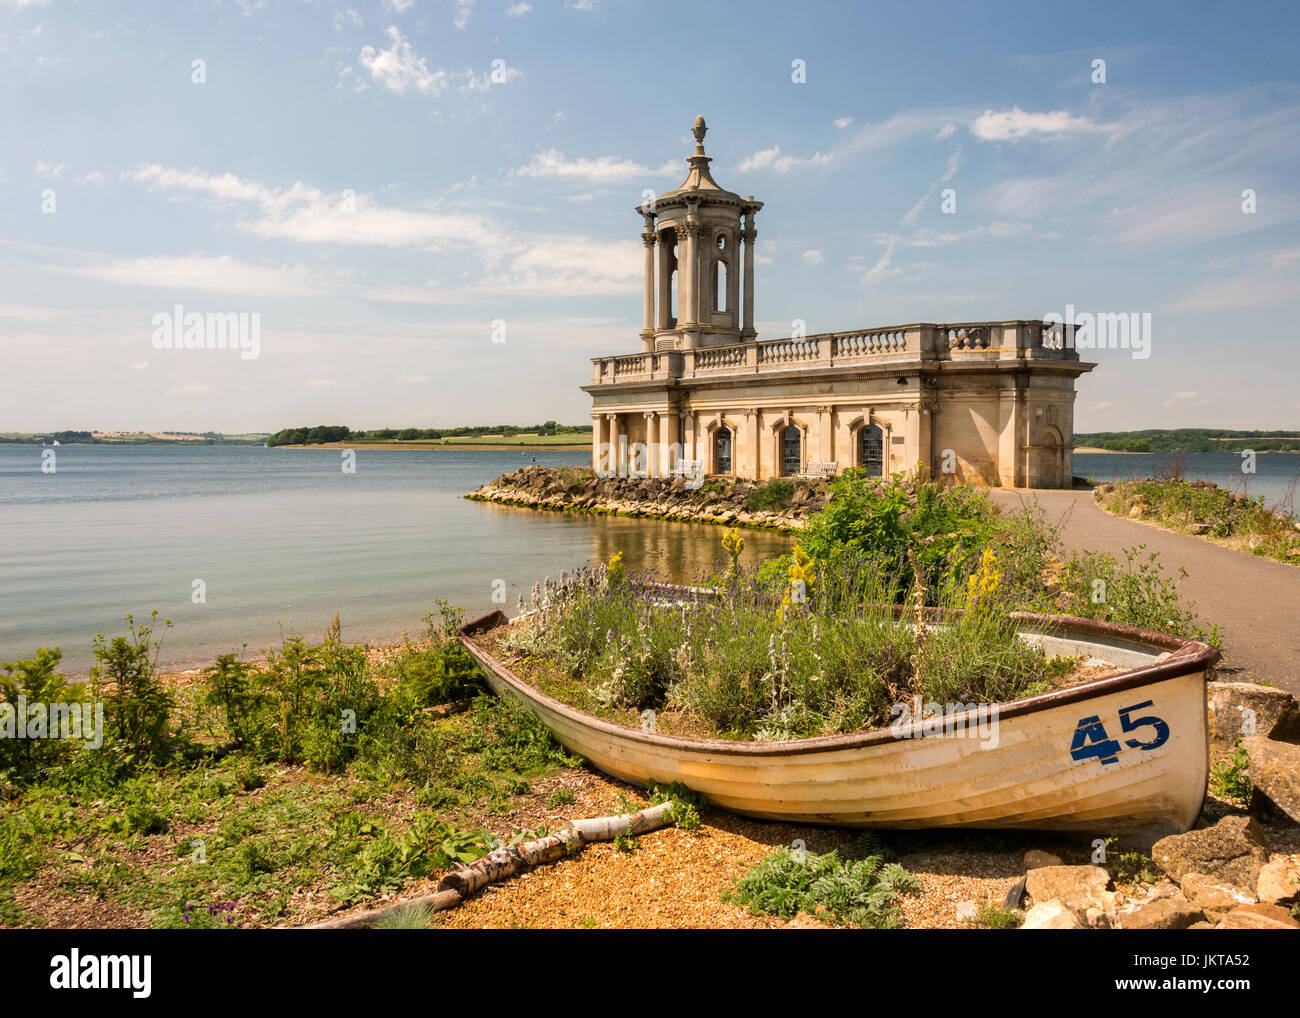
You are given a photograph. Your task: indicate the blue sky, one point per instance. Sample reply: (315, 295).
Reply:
(359, 176)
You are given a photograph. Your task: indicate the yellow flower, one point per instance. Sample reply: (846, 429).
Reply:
(616, 571)
(801, 577)
(983, 583)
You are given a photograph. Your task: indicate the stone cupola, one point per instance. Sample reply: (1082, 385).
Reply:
(699, 244)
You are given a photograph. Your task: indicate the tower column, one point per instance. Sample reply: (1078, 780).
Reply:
(665, 281)
(686, 273)
(749, 235)
(647, 330)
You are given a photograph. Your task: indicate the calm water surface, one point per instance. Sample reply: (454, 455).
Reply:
(283, 539)
(1274, 479)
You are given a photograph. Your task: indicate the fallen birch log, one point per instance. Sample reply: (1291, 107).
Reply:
(505, 862)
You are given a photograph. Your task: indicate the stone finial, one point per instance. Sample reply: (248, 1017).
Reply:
(699, 129)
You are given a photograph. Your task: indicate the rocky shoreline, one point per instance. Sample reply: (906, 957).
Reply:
(726, 501)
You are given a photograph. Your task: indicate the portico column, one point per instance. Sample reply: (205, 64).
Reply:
(751, 458)
(652, 444)
(825, 440)
(688, 435)
(617, 454)
(648, 329)
(749, 236)
(597, 442)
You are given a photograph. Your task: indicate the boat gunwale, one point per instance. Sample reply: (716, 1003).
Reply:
(1186, 657)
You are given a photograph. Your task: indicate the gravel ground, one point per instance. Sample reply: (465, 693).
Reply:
(674, 878)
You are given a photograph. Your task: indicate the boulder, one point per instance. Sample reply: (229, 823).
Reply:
(1076, 887)
(1166, 909)
(1034, 859)
(1275, 772)
(1232, 851)
(1258, 917)
(1052, 915)
(1215, 898)
(1240, 710)
(967, 910)
(1279, 882)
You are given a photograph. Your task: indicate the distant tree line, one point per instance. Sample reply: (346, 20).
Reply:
(1190, 440)
(339, 433)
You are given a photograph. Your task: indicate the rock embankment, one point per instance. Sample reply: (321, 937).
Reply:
(778, 505)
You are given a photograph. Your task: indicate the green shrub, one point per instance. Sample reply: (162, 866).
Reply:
(896, 518)
(136, 705)
(770, 497)
(860, 892)
(36, 680)
(1230, 779)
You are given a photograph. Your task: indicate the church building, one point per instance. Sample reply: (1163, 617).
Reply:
(981, 402)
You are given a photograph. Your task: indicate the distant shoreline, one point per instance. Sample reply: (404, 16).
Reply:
(434, 444)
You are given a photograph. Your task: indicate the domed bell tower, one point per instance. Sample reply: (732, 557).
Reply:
(699, 261)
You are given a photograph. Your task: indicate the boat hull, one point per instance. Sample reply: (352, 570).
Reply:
(1126, 755)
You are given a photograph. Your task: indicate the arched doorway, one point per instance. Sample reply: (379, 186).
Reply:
(871, 450)
(791, 451)
(722, 451)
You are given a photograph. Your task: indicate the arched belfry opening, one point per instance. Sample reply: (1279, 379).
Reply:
(699, 261)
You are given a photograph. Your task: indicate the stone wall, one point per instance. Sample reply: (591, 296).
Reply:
(721, 500)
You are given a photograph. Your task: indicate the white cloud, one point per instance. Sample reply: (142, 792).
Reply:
(813, 257)
(345, 19)
(604, 169)
(771, 159)
(945, 131)
(842, 122)
(400, 5)
(1016, 123)
(518, 10)
(1102, 404)
(93, 177)
(247, 7)
(204, 273)
(412, 379)
(474, 83)
(44, 169)
(400, 69)
(881, 268)
(464, 8)
(322, 383)
(306, 214)
(140, 366)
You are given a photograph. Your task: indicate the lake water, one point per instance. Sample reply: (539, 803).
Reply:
(284, 538)
(1274, 477)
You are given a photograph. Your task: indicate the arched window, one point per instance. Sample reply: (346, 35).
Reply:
(722, 451)
(791, 451)
(871, 450)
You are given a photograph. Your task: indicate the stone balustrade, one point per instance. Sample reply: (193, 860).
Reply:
(904, 343)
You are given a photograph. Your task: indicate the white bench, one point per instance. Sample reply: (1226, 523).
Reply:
(821, 469)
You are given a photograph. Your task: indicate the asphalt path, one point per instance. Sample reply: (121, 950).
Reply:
(1255, 601)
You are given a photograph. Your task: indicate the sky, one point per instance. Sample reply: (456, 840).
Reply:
(430, 204)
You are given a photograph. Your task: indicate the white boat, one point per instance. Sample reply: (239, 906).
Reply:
(1124, 755)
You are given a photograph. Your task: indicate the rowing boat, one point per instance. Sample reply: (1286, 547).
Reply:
(1124, 755)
